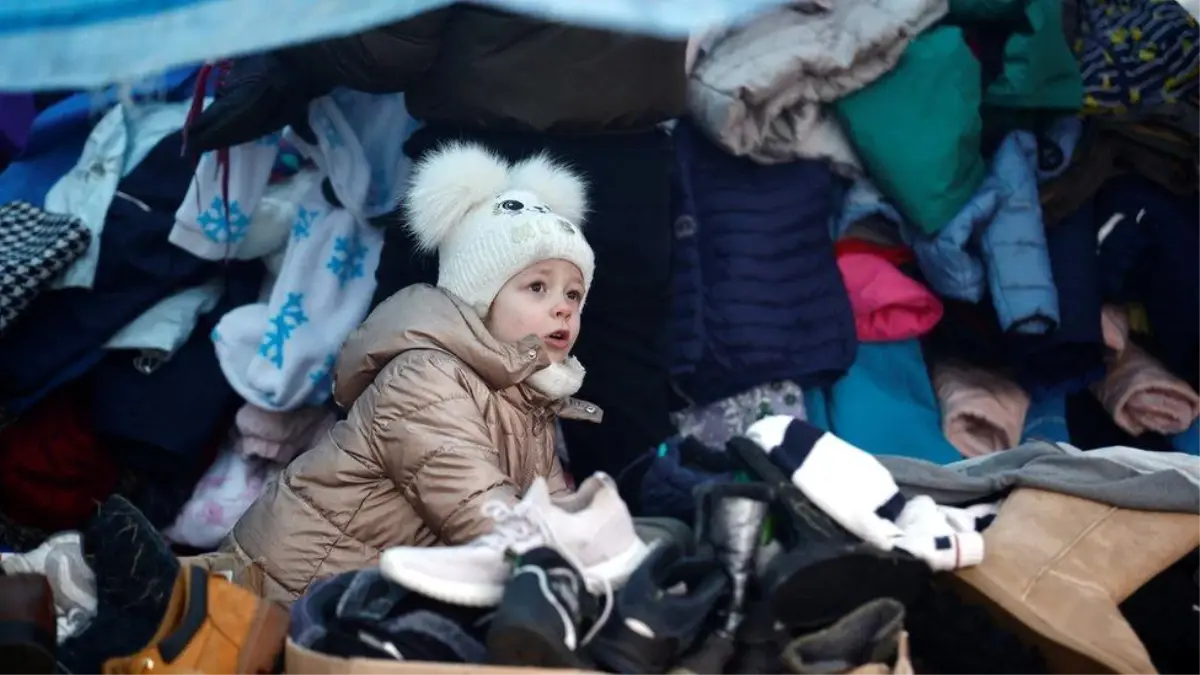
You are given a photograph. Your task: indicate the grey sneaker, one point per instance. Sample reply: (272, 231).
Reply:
(591, 528)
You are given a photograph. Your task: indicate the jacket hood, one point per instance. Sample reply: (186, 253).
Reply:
(425, 317)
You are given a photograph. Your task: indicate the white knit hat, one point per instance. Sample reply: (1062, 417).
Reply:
(489, 220)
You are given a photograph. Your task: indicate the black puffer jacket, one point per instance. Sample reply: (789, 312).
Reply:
(462, 65)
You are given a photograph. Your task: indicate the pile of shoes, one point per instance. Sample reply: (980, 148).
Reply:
(763, 580)
(568, 583)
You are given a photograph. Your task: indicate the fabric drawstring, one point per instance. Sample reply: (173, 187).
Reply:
(524, 523)
(197, 106)
(199, 90)
(197, 103)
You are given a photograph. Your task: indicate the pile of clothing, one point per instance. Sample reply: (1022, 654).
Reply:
(936, 230)
(943, 229)
(162, 333)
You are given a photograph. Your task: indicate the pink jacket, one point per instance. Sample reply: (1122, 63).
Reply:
(888, 306)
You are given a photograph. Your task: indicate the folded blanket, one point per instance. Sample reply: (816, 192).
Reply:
(1143, 395)
(1139, 391)
(982, 411)
(757, 89)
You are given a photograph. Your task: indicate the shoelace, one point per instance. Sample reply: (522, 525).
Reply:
(522, 523)
(71, 623)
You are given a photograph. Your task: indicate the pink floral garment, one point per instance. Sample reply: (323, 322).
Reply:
(227, 489)
(716, 423)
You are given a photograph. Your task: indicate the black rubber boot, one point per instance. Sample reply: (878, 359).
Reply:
(825, 572)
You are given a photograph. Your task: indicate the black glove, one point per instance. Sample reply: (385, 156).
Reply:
(260, 95)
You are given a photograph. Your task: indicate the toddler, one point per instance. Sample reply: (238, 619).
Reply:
(452, 392)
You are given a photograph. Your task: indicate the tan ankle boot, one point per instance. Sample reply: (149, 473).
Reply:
(212, 626)
(1057, 566)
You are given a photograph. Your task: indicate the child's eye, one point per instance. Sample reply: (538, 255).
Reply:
(575, 296)
(537, 287)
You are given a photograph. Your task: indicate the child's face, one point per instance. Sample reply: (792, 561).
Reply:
(543, 300)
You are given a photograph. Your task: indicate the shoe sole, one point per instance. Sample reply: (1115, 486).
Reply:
(263, 649)
(468, 594)
(810, 595)
(463, 594)
(617, 570)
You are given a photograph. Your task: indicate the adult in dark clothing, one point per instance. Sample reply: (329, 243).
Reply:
(592, 98)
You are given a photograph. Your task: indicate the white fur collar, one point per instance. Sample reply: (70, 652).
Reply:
(559, 380)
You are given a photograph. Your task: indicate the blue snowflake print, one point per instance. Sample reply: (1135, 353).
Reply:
(290, 316)
(322, 379)
(224, 226)
(304, 220)
(347, 260)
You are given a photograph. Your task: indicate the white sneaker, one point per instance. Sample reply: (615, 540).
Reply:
(592, 528)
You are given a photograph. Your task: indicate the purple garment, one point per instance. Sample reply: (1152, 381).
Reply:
(16, 117)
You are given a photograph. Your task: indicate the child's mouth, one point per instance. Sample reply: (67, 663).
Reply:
(559, 339)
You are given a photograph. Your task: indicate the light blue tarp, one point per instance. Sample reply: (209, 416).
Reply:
(54, 44)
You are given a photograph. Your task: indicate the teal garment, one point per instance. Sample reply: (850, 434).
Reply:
(884, 404)
(918, 131)
(1040, 71)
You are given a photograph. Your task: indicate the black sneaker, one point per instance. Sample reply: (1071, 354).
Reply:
(658, 615)
(541, 618)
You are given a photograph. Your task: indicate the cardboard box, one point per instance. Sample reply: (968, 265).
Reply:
(302, 661)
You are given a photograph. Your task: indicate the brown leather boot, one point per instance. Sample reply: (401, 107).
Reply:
(212, 626)
(28, 632)
(1058, 566)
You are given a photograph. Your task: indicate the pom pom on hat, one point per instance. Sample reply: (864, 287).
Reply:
(489, 220)
(557, 185)
(447, 185)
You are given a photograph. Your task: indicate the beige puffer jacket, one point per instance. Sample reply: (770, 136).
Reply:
(441, 420)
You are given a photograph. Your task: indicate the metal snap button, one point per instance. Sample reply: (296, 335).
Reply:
(685, 226)
(531, 354)
(590, 409)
